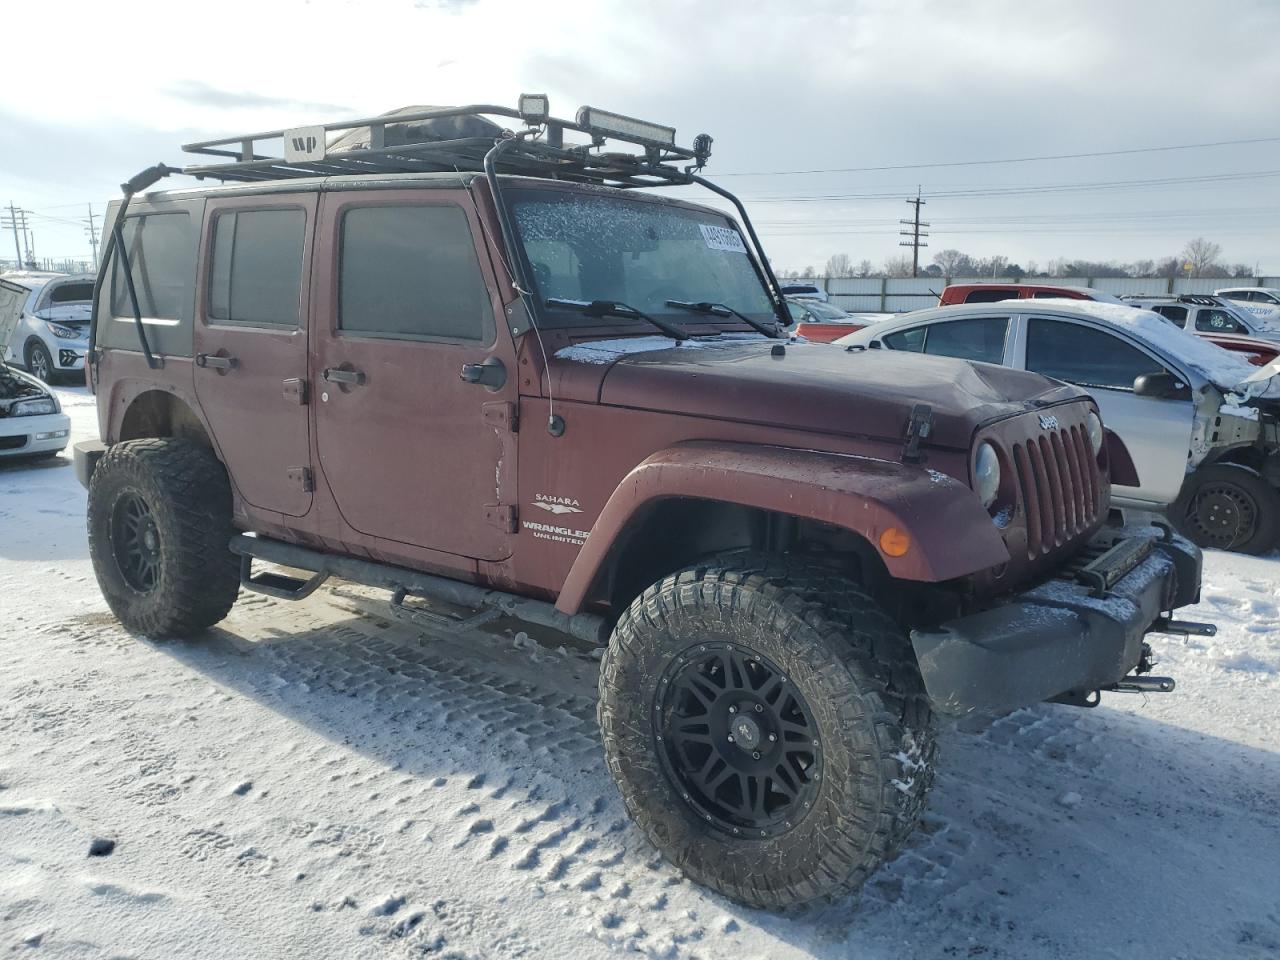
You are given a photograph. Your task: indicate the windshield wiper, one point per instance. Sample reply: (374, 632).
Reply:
(614, 308)
(724, 310)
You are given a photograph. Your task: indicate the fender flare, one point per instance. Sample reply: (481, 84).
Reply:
(951, 534)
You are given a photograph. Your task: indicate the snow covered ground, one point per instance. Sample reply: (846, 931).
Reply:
(322, 780)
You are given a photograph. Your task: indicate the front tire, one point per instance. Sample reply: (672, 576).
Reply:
(39, 362)
(159, 528)
(767, 727)
(1228, 506)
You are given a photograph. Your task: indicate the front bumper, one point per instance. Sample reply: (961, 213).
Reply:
(1060, 637)
(24, 436)
(85, 455)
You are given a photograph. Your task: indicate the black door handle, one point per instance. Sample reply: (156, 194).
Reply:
(491, 373)
(217, 363)
(335, 375)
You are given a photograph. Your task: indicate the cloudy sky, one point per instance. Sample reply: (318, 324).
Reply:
(95, 91)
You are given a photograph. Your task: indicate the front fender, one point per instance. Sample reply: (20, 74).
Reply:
(951, 534)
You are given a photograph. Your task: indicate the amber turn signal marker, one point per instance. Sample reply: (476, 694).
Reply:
(894, 542)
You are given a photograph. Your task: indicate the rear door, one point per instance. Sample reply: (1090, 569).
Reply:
(251, 344)
(411, 451)
(1156, 432)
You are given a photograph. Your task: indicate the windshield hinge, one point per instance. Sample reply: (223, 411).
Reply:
(919, 426)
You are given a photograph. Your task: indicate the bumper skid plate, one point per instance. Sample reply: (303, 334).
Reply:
(1065, 638)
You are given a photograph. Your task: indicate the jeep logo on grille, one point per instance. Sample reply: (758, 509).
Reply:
(1048, 422)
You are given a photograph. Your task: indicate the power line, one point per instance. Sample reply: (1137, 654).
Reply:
(1028, 189)
(1006, 160)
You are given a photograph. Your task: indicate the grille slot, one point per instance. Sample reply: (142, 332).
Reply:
(1058, 482)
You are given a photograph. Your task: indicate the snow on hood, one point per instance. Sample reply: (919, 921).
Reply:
(1225, 369)
(607, 351)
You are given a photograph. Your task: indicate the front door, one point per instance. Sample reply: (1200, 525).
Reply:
(411, 451)
(251, 344)
(1157, 433)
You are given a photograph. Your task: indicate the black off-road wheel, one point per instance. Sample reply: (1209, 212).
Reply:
(159, 525)
(1228, 506)
(767, 726)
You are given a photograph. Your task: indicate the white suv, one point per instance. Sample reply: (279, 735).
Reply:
(1203, 314)
(1261, 302)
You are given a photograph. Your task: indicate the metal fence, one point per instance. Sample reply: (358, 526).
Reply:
(897, 295)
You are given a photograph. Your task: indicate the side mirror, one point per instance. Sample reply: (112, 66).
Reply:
(1161, 386)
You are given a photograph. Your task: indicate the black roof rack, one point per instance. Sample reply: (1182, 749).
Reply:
(1199, 299)
(457, 139)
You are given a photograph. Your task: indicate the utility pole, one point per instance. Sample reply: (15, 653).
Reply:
(915, 243)
(13, 222)
(93, 238)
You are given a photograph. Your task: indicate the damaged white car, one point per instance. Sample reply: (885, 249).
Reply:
(32, 423)
(1201, 425)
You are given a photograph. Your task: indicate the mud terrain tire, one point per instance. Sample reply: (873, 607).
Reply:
(858, 687)
(159, 525)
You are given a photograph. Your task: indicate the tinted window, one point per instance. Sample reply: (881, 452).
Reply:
(1218, 321)
(161, 251)
(411, 273)
(1083, 356)
(991, 296)
(71, 293)
(906, 340)
(1177, 314)
(979, 339)
(256, 273)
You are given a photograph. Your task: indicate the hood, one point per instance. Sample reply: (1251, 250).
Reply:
(813, 386)
(12, 297)
(68, 313)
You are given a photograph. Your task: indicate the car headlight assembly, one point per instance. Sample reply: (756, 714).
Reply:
(1094, 426)
(63, 333)
(33, 407)
(986, 475)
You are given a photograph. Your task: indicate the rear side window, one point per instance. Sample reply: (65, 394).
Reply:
(1083, 356)
(411, 273)
(161, 249)
(1177, 314)
(256, 274)
(991, 296)
(912, 340)
(981, 338)
(1218, 321)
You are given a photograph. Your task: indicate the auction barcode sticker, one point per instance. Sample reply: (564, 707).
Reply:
(722, 238)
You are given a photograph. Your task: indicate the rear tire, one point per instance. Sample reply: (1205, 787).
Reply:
(1228, 506)
(159, 528)
(853, 757)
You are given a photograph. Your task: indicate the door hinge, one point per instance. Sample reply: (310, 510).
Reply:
(302, 477)
(295, 389)
(501, 413)
(501, 515)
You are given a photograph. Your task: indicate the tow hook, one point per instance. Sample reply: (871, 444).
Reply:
(1144, 685)
(1184, 628)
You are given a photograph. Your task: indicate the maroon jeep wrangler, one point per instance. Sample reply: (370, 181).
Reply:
(426, 353)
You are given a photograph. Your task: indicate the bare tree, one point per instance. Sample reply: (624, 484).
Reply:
(1201, 254)
(865, 268)
(948, 260)
(839, 265)
(897, 267)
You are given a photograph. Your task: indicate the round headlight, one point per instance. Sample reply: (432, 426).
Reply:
(986, 475)
(1094, 426)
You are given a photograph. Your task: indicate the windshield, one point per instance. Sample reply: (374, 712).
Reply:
(588, 246)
